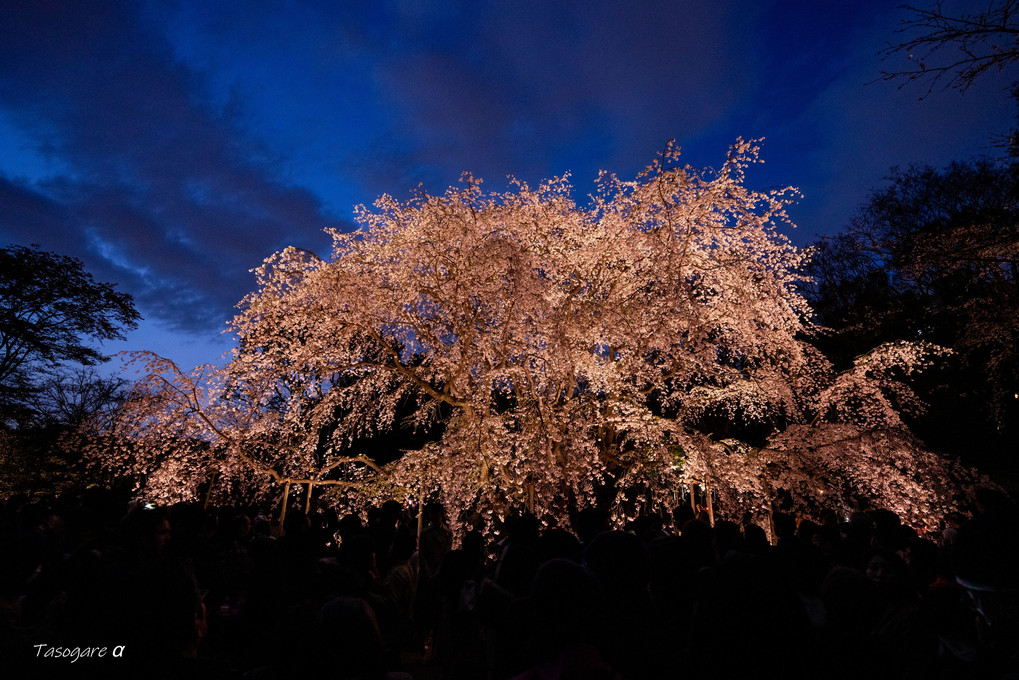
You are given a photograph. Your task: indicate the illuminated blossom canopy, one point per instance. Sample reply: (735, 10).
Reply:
(651, 337)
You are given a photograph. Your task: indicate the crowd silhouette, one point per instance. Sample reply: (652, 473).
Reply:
(93, 585)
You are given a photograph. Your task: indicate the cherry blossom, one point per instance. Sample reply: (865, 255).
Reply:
(556, 348)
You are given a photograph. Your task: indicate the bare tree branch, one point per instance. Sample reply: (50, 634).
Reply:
(953, 51)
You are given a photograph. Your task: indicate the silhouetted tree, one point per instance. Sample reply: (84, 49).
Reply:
(51, 311)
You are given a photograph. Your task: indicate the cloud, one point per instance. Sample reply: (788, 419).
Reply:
(163, 188)
(412, 92)
(28, 216)
(178, 144)
(552, 87)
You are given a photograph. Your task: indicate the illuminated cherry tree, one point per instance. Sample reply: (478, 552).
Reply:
(559, 347)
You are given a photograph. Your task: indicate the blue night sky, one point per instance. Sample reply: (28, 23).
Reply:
(172, 146)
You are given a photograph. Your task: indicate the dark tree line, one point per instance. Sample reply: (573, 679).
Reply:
(933, 256)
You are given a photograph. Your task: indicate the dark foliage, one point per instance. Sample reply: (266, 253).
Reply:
(51, 313)
(933, 256)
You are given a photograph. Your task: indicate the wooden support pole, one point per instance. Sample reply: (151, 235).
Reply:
(208, 492)
(421, 515)
(711, 505)
(307, 499)
(286, 500)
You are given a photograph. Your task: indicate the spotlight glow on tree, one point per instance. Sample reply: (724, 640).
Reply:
(561, 347)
